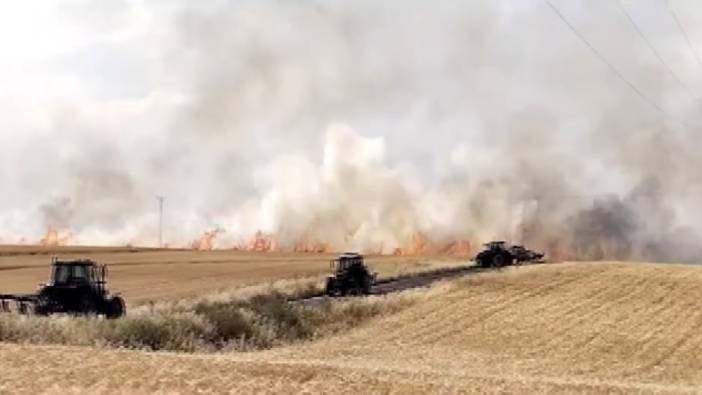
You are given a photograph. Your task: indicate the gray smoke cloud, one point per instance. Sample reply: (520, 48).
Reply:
(361, 125)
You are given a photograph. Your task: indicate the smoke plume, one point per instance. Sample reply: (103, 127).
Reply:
(385, 127)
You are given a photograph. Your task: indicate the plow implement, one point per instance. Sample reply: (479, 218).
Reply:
(22, 304)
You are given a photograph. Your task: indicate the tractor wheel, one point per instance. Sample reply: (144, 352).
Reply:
(367, 286)
(115, 308)
(43, 306)
(359, 287)
(87, 305)
(351, 288)
(483, 260)
(498, 260)
(330, 288)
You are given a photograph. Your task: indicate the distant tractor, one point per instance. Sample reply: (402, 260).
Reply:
(76, 286)
(350, 276)
(498, 254)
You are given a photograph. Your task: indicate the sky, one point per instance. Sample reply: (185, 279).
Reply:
(243, 114)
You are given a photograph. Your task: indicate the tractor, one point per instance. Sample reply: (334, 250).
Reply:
(350, 276)
(497, 254)
(76, 287)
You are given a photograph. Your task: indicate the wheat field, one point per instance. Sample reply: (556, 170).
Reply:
(572, 327)
(145, 275)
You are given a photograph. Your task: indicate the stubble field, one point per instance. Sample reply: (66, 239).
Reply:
(146, 275)
(571, 327)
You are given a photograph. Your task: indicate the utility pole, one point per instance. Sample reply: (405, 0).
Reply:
(160, 220)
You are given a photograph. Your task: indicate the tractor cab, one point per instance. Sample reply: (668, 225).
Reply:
(347, 261)
(76, 273)
(350, 275)
(496, 245)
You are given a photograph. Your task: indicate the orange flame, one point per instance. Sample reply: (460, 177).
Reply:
(458, 247)
(417, 245)
(260, 242)
(420, 244)
(312, 246)
(53, 238)
(266, 242)
(206, 241)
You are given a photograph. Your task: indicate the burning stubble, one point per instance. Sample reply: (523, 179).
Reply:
(395, 128)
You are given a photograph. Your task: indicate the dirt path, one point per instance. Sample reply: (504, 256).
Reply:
(417, 280)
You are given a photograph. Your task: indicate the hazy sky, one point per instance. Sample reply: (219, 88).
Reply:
(104, 105)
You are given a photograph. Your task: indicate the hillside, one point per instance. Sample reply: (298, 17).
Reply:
(565, 328)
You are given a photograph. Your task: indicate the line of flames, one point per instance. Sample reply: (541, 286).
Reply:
(260, 242)
(418, 245)
(53, 237)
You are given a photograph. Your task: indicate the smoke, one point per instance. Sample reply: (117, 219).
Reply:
(352, 199)
(366, 126)
(57, 213)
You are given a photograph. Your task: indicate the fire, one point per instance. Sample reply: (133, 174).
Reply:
(265, 242)
(420, 244)
(53, 238)
(416, 246)
(312, 246)
(206, 241)
(260, 242)
(458, 247)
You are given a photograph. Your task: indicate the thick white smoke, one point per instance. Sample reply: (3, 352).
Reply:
(355, 124)
(352, 199)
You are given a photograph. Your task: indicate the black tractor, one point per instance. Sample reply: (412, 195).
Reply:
(76, 287)
(350, 276)
(497, 254)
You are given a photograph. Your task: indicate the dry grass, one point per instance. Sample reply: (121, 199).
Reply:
(259, 321)
(589, 328)
(145, 275)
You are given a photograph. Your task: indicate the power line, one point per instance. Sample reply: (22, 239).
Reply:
(655, 51)
(611, 66)
(684, 33)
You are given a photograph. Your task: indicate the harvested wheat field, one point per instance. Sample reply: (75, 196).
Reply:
(574, 327)
(144, 275)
